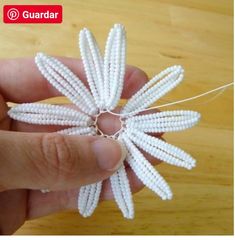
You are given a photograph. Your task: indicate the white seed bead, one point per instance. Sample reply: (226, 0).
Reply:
(107, 66)
(145, 171)
(167, 121)
(45, 190)
(160, 149)
(88, 131)
(114, 66)
(154, 89)
(46, 114)
(121, 191)
(93, 64)
(65, 82)
(88, 198)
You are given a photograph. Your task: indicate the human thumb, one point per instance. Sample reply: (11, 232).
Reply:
(55, 161)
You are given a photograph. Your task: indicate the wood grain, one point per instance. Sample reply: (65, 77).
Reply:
(197, 34)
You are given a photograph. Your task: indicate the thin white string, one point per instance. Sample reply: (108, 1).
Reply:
(116, 134)
(192, 98)
(201, 103)
(222, 88)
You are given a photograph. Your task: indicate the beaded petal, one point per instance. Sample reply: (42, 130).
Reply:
(105, 78)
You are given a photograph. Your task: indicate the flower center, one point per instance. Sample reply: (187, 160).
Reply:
(108, 125)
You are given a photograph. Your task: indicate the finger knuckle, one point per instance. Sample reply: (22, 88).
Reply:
(57, 154)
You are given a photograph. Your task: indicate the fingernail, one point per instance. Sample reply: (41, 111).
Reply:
(109, 153)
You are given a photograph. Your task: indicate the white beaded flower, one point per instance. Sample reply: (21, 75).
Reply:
(105, 77)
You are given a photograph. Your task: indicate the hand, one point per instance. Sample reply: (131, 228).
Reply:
(32, 157)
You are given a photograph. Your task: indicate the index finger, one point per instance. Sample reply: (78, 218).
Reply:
(21, 81)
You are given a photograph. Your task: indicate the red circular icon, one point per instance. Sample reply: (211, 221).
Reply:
(13, 14)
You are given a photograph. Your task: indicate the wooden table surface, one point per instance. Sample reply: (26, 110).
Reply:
(197, 34)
